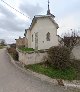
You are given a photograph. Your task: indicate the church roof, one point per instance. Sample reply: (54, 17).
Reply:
(51, 17)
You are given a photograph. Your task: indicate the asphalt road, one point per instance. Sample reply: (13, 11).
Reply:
(14, 80)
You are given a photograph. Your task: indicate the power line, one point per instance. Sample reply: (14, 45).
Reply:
(15, 9)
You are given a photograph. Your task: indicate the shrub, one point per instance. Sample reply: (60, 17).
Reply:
(13, 53)
(59, 57)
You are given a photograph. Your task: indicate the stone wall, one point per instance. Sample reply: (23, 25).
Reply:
(37, 57)
(21, 42)
(76, 52)
(31, 57)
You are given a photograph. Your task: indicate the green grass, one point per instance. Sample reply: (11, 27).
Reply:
(76, 65)
(1, 47)
(68, 74)
(26, 49)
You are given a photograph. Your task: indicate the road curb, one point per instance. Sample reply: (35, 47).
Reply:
(46, 78)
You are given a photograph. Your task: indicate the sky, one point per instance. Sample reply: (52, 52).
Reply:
(13, 23)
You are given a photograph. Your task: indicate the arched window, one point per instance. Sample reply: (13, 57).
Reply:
(48, 36)
(32, 38)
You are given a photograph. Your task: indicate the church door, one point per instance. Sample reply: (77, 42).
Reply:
(36, 41)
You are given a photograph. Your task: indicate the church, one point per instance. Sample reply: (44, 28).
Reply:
(42, 33)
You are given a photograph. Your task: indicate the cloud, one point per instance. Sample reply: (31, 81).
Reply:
(11, 26)
(71, 21)
(10, 36)
(64, 7)
(30, 9)
(11, 22)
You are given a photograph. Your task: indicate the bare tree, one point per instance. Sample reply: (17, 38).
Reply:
(3, 42)
(71, 39)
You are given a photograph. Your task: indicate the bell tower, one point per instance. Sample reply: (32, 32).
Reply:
(48, 11)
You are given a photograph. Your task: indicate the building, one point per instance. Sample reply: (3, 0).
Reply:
(42, 33)
(21, 42)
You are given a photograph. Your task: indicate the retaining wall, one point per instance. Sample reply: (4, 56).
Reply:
(31, 57)
(76, 52)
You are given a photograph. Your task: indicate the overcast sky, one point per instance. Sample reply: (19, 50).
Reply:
(13, 24)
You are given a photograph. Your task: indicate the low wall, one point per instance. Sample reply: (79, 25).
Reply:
(76, 52)
(31, 57)
(38, 57)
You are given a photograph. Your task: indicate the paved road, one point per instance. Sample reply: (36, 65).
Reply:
(14, 80)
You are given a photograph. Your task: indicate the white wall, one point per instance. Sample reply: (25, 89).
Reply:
(76, 52)
(31, 58)
(28, 36)
(43, 26)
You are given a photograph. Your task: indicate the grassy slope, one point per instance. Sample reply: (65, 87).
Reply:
(68, 74)
(1, 47)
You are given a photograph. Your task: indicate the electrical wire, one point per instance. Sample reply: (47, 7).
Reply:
(15, 9)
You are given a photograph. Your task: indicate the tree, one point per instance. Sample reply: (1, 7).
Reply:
(3, 42)
(71, 39)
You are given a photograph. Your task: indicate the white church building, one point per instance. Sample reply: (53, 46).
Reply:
(42, 33)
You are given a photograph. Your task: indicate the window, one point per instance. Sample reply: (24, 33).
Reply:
(48, 36)
(32, 38)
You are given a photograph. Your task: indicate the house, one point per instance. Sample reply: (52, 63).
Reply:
(42, 33)
(21, 42)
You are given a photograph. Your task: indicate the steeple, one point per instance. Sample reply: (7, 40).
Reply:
(48, 11)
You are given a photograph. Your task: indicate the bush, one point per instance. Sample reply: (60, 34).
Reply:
(59, 57)
(13, 53)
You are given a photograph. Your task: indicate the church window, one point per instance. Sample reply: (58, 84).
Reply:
(32, 38)
(48, 36)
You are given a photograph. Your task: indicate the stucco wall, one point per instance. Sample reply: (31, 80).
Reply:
(28, 36)
(76, 52)
(21, 42)
(31, 58)
(43, 26)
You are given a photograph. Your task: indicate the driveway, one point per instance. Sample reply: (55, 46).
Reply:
(14, 80)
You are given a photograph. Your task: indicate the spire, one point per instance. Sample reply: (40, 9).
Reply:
(48, 11)
(48, 4)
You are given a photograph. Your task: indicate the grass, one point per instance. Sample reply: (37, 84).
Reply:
(76, 65)
(1, 47)
(67, 74)
(26, 49)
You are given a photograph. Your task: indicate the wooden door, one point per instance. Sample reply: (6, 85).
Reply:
(36, 41)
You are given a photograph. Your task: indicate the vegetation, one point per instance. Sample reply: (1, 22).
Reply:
(76, 65)
(1, 47)
(67, 74)
(3, 42)
(72, 73)
(71, 39)
(13, 53)
(58, 65)
(59, 57)
(26, 49)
